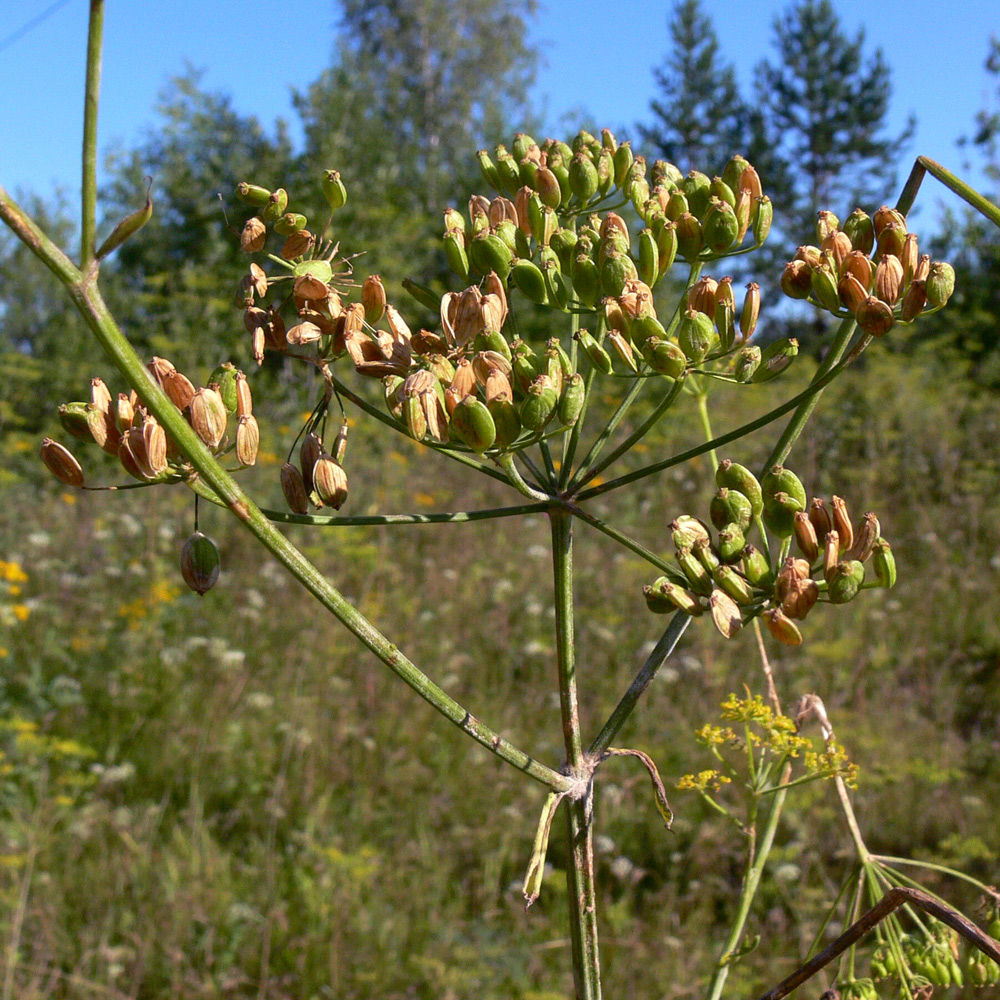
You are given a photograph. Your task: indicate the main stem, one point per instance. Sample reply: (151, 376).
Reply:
(581, 895)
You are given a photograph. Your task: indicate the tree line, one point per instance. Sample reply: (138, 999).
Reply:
(412, 91)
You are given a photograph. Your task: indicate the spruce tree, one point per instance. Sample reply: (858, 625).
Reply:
(822, 139)
(699, 120)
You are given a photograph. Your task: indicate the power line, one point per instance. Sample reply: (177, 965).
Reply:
(33, 23)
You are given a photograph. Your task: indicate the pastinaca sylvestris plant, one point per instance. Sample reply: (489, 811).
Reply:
(619, 250)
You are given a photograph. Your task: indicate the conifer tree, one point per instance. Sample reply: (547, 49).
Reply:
(699, 119)
(822, 141)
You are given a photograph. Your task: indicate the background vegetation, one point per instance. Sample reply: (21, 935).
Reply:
(224, 797)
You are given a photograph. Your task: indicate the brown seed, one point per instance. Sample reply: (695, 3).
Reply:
(309, 454)
(330, 482)
(839, 246)
(179, 388)
(160, 369)
(297, 245)
(244, 400)
(805, 536)
(208, 417)
(851, 292)
(253, 236)
(914, 301)
(373, 298)
(725, 613)
(303, 333)
(831, 554)
(800, 598)
(307, 286)
(701, 297)
(126, 456)
(842, 523)
(125, 413)
(889, 279)
(865, 537)
(294, 489)
(782, 627)
(259, 280)
(247, 439)
(875, 316)
(61, 462)
(860, 265)
(155, 442)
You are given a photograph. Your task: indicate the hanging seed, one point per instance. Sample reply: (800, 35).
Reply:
(782, 627)
(330, 482)
(309, 454)
(726, 614)
(294, 489)
(200, 563)
(61, 462)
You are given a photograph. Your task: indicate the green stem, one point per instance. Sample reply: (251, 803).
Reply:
(612, 425)
(582, 892)
(551, 476)
(29, 233)
(629, 543)
(92, 93)
(566, 472)
(686, 456)
(532, 468)
(660, 654)
(751, 882)
(706, 424)
(458, 517)
(829, 364)
(506, 462)
(888, 861)
(669, 398)
(923, 164)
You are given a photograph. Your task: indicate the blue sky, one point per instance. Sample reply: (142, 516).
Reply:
(246, 48)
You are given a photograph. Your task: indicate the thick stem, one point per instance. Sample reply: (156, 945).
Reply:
(92, 93)
(582, 895)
